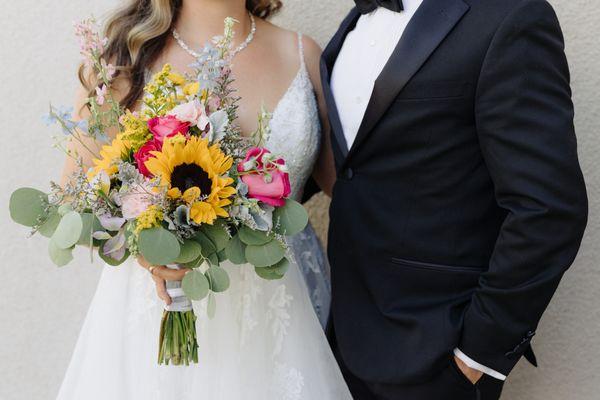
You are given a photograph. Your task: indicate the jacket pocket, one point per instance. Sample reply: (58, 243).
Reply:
(436, 267)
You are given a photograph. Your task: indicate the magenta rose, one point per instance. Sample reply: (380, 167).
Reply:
(265, 180)
(144, 154)
(167, 126)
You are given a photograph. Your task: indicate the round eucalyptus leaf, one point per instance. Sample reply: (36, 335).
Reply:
(291, 218)
(252, 237)
(217, 235)
(190, 251)
(48, 228)
(265, 255)
(274, 272)
(158, 246)
(195, 285)
(91, 224)
(111, 261)
(236, 250)
(208, 247)
(218, 279)
(27, 206)
(64, 209)
(213, 259)
(68, 231)
(194, 263)
(59, 256)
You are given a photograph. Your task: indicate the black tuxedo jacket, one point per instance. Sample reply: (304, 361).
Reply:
(461, 203)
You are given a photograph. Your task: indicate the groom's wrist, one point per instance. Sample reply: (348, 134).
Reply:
(475, 366)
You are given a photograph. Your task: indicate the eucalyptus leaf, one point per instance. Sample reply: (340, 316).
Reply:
(213, 259)
(194, 263)
(91, 224)
(48, 228)
(291, 218)
(218, 279)
(252, 237)
(68, 231)
(195, 285)
(265, 255)
(217, 234)
(274, 272)
(211, 306)
(158, 246)
(208, 247)
(190, 250)
(236, 250)
(27, 206)
(64, 209)
(101, 235)
(58, 255)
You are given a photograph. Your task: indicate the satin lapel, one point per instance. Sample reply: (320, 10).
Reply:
(429, 26)
(327, 62)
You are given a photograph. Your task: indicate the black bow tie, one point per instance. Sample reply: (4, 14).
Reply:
(366, 6)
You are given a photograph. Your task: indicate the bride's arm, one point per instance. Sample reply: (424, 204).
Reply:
(86, 148)
(324, 171)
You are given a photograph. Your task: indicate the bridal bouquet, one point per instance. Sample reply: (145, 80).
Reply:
(178, 185)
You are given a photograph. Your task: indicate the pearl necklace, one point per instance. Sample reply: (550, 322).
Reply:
(241, 47)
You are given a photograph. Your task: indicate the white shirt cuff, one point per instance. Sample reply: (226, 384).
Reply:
(475, 365)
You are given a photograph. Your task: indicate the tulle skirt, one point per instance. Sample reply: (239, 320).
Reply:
(265, 341)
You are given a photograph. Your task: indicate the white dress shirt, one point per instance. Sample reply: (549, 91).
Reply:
(363, 56)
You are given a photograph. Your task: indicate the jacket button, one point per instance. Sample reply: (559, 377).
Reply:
(349, 174)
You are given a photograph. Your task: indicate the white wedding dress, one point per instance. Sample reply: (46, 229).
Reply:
(265, 342)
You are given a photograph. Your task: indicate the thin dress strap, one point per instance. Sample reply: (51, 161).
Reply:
(301, 50)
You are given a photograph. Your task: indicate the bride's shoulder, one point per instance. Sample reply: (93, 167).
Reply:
(286, 42)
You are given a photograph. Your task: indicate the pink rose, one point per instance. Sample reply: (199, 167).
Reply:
(144, 154)
(266, 181)
(192, 112)
(167, 126)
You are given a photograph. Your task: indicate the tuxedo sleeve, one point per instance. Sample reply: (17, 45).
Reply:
(524, 118)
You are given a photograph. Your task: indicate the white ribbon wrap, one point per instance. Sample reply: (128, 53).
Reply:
(180, 302)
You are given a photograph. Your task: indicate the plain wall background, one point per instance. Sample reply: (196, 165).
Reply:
(42, 307)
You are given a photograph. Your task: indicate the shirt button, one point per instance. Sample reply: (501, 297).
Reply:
(358, 100)
(372, 43)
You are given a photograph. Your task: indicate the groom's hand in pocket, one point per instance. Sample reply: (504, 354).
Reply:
(472, 374)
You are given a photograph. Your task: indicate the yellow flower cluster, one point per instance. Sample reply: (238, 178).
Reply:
(135, 130)
(161, 92)
(110, 155)
(150, 218)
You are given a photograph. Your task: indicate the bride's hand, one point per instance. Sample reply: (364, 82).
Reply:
(160, 274)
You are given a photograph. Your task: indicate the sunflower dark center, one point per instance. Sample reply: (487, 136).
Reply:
(185, 176)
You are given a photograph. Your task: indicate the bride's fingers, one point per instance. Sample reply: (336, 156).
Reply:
(161, 290)
(169, 274)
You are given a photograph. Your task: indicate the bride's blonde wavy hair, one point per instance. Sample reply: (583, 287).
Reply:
(137, 35)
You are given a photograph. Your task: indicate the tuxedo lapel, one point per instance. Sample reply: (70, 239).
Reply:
(327, 62)
(429, 26)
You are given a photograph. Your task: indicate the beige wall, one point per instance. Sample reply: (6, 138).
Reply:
(42, 307)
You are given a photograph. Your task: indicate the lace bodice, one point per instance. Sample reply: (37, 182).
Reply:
(295, 127)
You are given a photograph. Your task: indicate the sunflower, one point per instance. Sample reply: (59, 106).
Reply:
(195, 173)
(117, 150)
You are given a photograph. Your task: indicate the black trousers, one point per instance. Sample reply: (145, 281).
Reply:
(449, 384)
